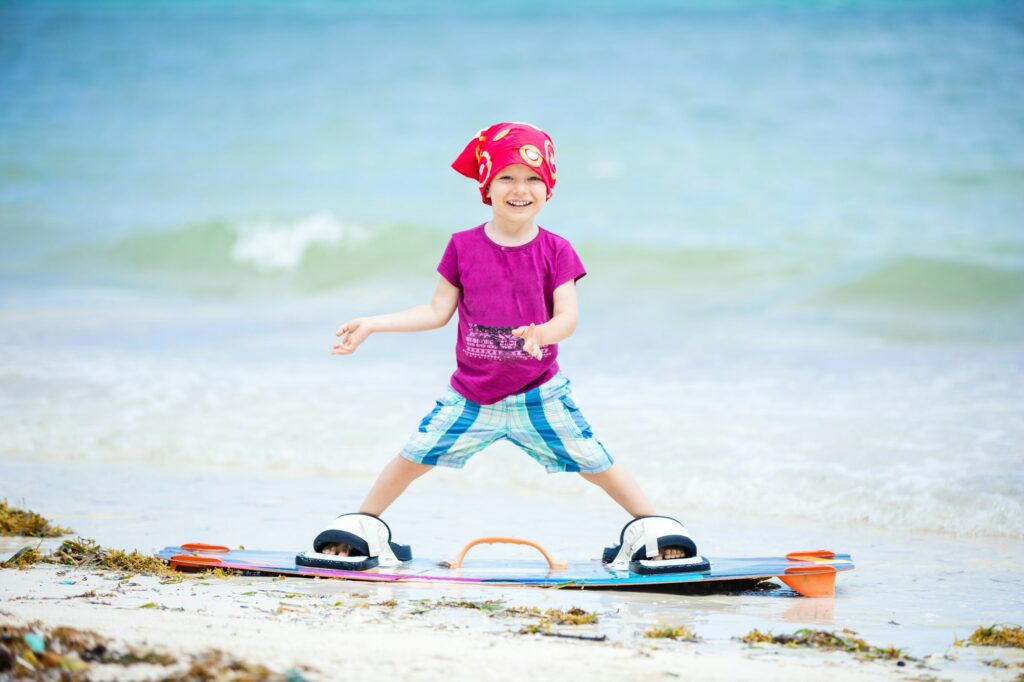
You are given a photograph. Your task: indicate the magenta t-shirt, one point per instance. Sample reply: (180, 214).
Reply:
(504, 287)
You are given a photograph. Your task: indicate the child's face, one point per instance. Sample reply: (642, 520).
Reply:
(517, 193)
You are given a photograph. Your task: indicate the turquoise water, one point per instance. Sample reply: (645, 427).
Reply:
(802, 222)
(862, 132)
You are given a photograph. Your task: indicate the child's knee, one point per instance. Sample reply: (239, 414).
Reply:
(411, 466)
(599, 475)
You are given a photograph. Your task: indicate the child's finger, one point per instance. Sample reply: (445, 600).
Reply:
(343, 348)
(518, 331)
(349, 327)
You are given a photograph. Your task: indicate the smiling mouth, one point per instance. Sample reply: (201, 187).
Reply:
(518, 204)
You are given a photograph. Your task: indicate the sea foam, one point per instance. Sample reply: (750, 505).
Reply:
(276, 246)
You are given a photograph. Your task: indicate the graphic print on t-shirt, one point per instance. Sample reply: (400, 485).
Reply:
(495, 343)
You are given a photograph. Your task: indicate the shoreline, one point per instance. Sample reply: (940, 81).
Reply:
(313, 628)
(915, 591)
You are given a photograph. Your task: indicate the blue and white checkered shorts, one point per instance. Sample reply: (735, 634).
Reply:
(544, 422)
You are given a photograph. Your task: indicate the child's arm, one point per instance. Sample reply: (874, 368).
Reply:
(560, 327)
(430, 316)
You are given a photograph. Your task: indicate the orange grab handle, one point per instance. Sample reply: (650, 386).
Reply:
(811, 555)
(457, 561)
(203, 547)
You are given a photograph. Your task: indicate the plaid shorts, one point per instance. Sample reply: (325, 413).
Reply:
(544, 422)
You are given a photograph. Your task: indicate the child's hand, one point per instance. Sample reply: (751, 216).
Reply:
(355, 332)
(531, 340)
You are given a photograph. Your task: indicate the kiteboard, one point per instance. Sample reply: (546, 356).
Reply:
(809, 573)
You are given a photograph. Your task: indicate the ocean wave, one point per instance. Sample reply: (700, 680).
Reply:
(281, 246)
(319, 251)
(932, 284)
(256, 257)
(959, 297)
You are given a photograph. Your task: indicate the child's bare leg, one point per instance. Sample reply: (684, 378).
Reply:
(623, 488)
(391, 483)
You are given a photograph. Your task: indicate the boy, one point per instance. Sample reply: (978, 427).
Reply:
(514, 285)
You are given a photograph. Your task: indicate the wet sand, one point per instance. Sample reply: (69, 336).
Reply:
(916, 592)
(322, 629)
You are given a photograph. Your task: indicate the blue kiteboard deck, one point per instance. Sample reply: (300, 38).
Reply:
(809, 573)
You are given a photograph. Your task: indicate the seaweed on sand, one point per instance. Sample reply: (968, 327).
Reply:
(1000, 663)
(842, 640)
(86, 553)
(551, 618)
(996, 635)
(218, 572)
(495, 607)
(574, 616)
(30, 651)
(68, 654)
(217, 665)
(25, 522)
(490, 605)
(23, 558)
(671, 632)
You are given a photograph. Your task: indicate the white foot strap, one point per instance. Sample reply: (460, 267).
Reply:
(363, 533)
(643, 534)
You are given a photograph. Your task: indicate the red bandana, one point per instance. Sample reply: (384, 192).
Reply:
(504, 144)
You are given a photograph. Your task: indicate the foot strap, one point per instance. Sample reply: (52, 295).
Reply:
(333, 561)
(644, 538)
(368, 538)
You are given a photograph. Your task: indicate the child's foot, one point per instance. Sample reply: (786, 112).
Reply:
(336, 549)
(670, 553)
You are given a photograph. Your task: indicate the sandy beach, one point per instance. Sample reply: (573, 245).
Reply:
(323, 629)
(314, 628)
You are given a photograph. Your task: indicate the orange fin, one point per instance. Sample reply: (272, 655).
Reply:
(811, 581)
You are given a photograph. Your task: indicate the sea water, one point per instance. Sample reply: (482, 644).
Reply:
(803, 225)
